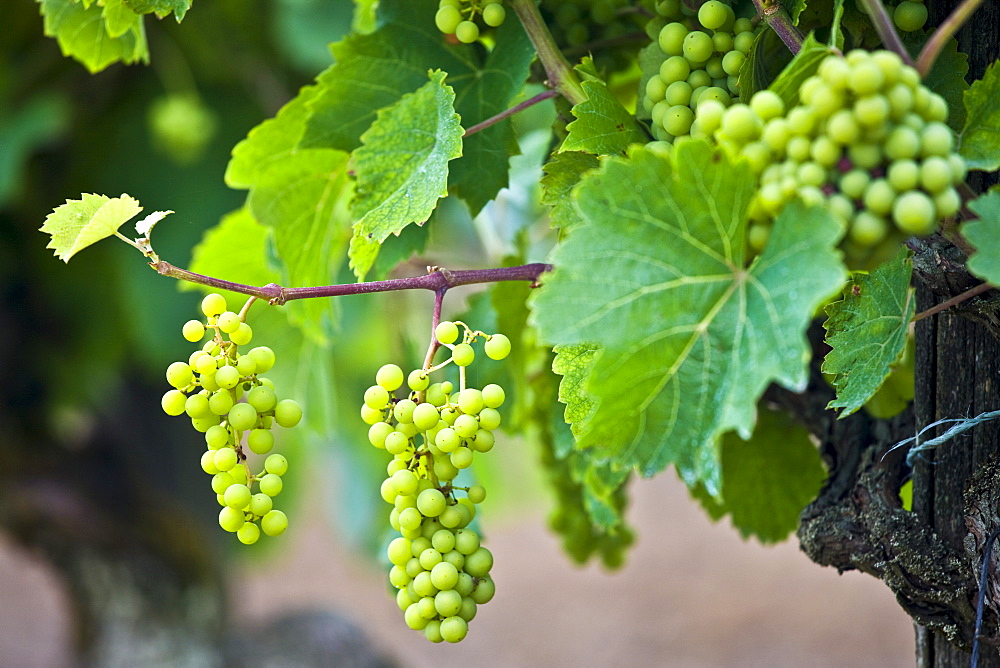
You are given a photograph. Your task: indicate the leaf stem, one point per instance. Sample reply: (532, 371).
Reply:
(886, 31)
(775, 16)
(933, 46)
(506, 113)
(559, 72)
(957, 299)
(439, 280)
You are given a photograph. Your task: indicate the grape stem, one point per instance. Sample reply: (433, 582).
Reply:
(886, 31)
(957, 299)
(506, 113)
(438, 280)
(781, 23)
(558, 71)
(958, 18)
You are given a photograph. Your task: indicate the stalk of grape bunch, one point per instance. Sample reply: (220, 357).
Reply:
(228, 398)
(433, 432)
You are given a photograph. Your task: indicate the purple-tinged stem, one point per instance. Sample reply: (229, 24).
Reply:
(775, 16)
(506, 113)
(958, 18)
(886, 31)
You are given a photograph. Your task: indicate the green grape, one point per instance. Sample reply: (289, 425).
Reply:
(447, 19)
(261, 504)
(237, 496)
(431, 502)
(225, 459)
(713, 14)
(489, 419)
(262, 398)
(227, 377)
(248, 533)
(910, 16)
(242, 335)
(467, 32)
(914, 213)
(213, 304)
(287, 413)
(454, 629)
(672, 37)
(477, 494)
(193, 331)
(274, 523)
(231, 519)
(221, 402)
(463, 354)
(264, 358)
(179, 375)
(260, 441)
(494, 15)
(228, 322)
(484, 591)
(425, 416)
(405, 482)
(418, 380)
(242, 417)
(390, 377)
(173, 402)
(697, 47)
(276, 464)
(270, 484)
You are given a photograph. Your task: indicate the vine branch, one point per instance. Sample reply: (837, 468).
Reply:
(957, 299)
(506, 113)
(558, 71)
(962, 13)
(439, 280)
(780, 22)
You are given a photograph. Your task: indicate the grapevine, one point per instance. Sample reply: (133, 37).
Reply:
(228, 399)
(433, 431)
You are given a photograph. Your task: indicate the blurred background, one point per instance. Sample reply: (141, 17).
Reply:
(110, 553)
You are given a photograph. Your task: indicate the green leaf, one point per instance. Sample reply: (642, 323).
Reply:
(767, 58)
(562, 173)
(804, 65)
(304, 198)
(82, 33)
(767, 480)
(119, 18)
(984, 234)
(699, 345)
(980, 140)
(794, 9)
(237, 248)
(81, 222)
(866, 331)
(575, 362)
(602, 126)
(402, 166)
(273, 141)
(160, 7)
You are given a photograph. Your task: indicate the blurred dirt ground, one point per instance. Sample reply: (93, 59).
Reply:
(692, 594)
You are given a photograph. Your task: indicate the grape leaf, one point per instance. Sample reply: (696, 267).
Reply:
(562, 173)
(866, 331)
(700, 342)
(980, 139)
(81, 222)
(803, 65)
(984, 234)
(82, 33)
(602, 125)
(237, 248)
(304, 197)
(768, 480)
(575, 362)
(160, 7)
(402, 165)
(119, 18)
(271, 141)
(768, 57)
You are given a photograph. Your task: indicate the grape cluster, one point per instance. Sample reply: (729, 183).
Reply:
(227, 399)
(702, 58)
(458, 17)
(867, 139)
(433, 432)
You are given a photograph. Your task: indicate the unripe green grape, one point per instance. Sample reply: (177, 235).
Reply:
(412, 616)
(447, 440)
(935, 175)
(193, 330)
(409, 519)
(671, 39)
(405, 482)
(903, 175)
(221, 482)
(713, 67)
(470, 401)
(461, 458)
(466, 541)
(270, 484)
(463, 354)
(467, 32)
(494, 15)
(231, 519)
(903, 143)
(431, 502)
(248, 534)
(173, 402)
(457, 559)
(484, 591)
(396, 443)
(242, 417)
(673, 69)
(477, 494)
(227, 377)
(913, 213)
(489, 419)
(422, 584)
(435, 395)
(388, 490)
(697, 47)
(444, 469)
(712, 93)
(417, 546)
(947, 203)
(225, 459)
(443, 541)
(245, 365)
(678, 93)
(370, 415)
(206, 365)
(398, 577)
(378, 432)
(713, 14)
(936, 140)
(260, 441)
(447, 19)
(261, 504)
(451, 518)
(466, 426)
(446, 332)
(263, 357)
(429, 558)
(454, 629)
(221, 402)
(743, 41)
(389, 376)
(879, 196)
(276, 464)
(493, 396)
(425, 416)
(432, 631)
(213, 304)
(865, 155)
(196, 406)
(418, 380)
(910, 16)
(698, 79)
(262, 398)
(677, 121)
(237, 496)
(208, 462)
(179, 375)
(448, 602)
(242, 335)
(732, 63)
(425, 606)
(287, 413)
(239, 475)
(228, 322)
(403, 599)
(274, 523)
